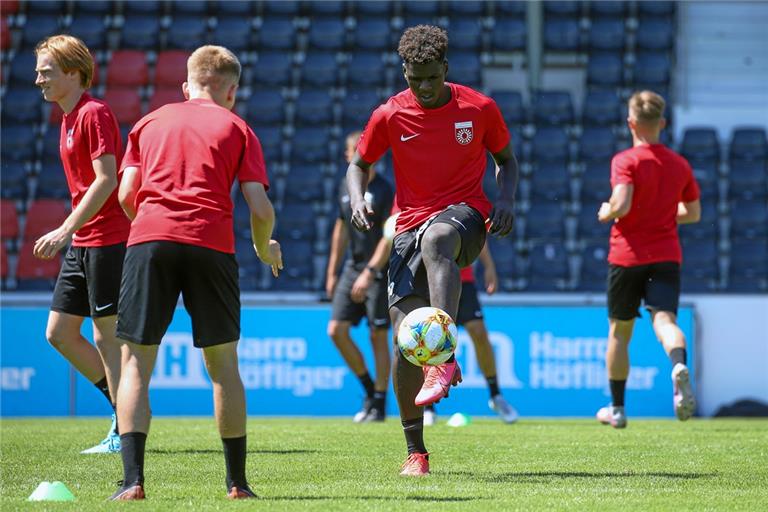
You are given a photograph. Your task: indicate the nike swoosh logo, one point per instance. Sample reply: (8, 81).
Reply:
(403, 138)
(102, 308)
(457, 221)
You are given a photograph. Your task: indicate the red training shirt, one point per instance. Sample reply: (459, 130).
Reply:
(467, 274)
(189, 155)
(87, 133)
(661, 179)
(439, 154)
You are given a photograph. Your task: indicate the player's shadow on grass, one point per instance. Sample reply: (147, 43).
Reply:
(171, 451)
(550, 476)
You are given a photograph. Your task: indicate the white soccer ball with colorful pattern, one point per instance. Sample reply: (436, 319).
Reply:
(427, 336)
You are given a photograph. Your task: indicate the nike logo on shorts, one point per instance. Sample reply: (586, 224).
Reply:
(403, 138)
(102, 308)
(457, 221)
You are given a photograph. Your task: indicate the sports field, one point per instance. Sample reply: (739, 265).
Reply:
(314, 464)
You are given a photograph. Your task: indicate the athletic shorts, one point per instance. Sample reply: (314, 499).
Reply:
(469, 304)
(374, 308)
(154, 275)
(656, 284)
(407, 274)
(89, 281)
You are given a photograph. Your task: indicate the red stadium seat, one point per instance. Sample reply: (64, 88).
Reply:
(10, 7)
(164, 96)
(125, 103)
(171, 68)
(34, 268)
(5, 36)
(43, 216)
(3, 262)
(127, 68)
(10, 221)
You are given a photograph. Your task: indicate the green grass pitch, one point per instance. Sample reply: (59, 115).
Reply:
(332, 464)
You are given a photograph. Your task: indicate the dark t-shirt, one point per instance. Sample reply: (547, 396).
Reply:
(362, 244)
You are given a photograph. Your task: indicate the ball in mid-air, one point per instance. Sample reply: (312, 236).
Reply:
(427, 336)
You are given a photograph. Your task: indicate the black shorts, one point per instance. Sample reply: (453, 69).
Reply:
(407, 274)
(469, 304)
(374, 308)
(89, 281)
(656, 284)
(154, 275)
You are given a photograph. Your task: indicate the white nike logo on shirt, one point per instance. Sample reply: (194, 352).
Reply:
(403, 138)
(102, 308)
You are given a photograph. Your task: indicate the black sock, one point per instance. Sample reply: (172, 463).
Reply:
(234, 459)
(677, 355)
(365, 380)
(493, 386)
(104, 388)
(414, 435)
(132, 451)
(617, 392)
(380, 400)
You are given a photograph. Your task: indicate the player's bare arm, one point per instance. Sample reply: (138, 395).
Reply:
(688, 213)
(339, 240)
(357, 183)
(378, 260)
(618, 205)
(262, 224)
(507, 176)
(105, 182)
(489, 270)
(129, 187)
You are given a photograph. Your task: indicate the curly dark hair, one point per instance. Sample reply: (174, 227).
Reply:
(422, 44)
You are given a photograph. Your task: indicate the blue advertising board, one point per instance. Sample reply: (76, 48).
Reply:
(550, 362)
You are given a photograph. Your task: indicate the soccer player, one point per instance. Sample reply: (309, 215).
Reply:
(362, 289)
(179, 166)
(654, 191)
(89, 281)
(439, 133)
(470, 315)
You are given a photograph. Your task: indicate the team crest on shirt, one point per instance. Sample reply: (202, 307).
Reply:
(70, 138)
(463, 132)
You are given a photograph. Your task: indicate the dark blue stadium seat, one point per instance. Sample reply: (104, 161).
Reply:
(550, 143)
(607, 8)
(706, 176)
(465, 68)
(607, 34)
(509, 266)
(509, 35)
(233, 32)
(306, 183)
(707, 226)
(596, 182)
(46, 7)
(605, 69)
(52, 182)
(562, 35)
(311, 145)
(553, 108)
(277, 34)
(241, 216)
(700, 144)
(37, 28)
(594, 265)
(314, 107)
(14, 177)
(467, 8)
(587, 224)
(373, 34)
(265, 107)
(748, 270)
(749, 219)
(547, 267)
(22, 72)
(601, 108)
(90, 28)
(328, 8)
(511, 105)
(510, 9)
(748, 180)
(100, 7)
(282, 7)
(656, 9)
(749, 143)
(365, 69)
(50, 145)
(373, 8)
(327, 34)
(271, 142)
(566, 8)
(320, 69)
(295, 221)
(544, 221)
(140, 32)
(550, 181)
(699, 269)
(141, 7)
(232, 7)
(272, 69)
(652, 69)
(597, 143)
(412, 20)
(466, 33)
(430, 7)
(250, 266)
(18, 142)
(196, 7)
(655, 34)
(356, 107)
(186, 32)
(22, 105)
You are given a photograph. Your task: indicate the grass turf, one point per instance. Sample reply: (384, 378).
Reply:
(331, 464)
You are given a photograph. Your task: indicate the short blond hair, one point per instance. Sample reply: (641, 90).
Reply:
(70, 54)
(353, 138)
(646, 107)
(213, 66)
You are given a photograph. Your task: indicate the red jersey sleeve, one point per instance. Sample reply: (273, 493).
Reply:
(132, 157)
(691, 191)
(496, 133)
(99, 132)
(252, 166)
(621, 170)
(374, 141)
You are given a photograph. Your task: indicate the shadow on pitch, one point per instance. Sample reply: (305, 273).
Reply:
(550, 476)
(170, 451)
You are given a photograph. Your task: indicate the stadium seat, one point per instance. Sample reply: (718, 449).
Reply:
(165, 95)
(652, 69)
(596, 182)
(749, 143)
(17, 142)
(91, 29)
(597, 143)
(588, 226)
(22, 105)
(547, 267)
(171, 68)
(655, 34)
(550, 143)
(5, 34)
(428, 7)
(748, 180)
(699, 271)
(749, 219)
(272, 69)
(232, 7)
(373, 34)
(10, 7)
(466, 33)
(544, 221)
(320, 69)
(306, 184)
(706, 176)
(605, 69)
(601, 108)
(34, 274)
(509, 35)
(748, 264)
(700, 144)
(356, 107)
(550, 181)
(43, 216)
(52, 182)
(311, 145)
(140, 32)
(9, 230)
(656, 9)
(127, 68)
(4, 270)
(265, 107)
(276, 34)
(271, 140)
(607, 34)
(51, 152)
(335, 8)
(143, 7)
(327, 34)
(553, 108)
(707, 226)
(22, 72)
(186, 32)
(510, 9)
(509, 267)
(38, 27)
(511, 105)
(14, 179)
(465, 68)
(314, 107)
(125, 104)
(282, 7)
(249, 265)
(241, 216)
(466, 8)
(99, 7)
(365, 70)
(594, 266)
(606, 8)
(196, 7)
(372, 9)
(233, 32)
(296, 222)
(562, 35)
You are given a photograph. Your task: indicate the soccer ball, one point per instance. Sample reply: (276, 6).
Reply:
(427, 336)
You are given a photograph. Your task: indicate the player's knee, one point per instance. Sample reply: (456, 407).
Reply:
(664, 318)
(57, 336)
(335, 330)
(439, 241)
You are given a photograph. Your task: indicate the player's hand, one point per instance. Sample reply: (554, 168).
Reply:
(491, 280)
(272, 257)
(48, 245)
(361, 285)
(360, 213)
(603, 214)
(330, 285)
(502, 218)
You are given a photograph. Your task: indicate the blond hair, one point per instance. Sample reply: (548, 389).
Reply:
(646, 107)
(353, 138)
(213, 66)
(70, 54)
